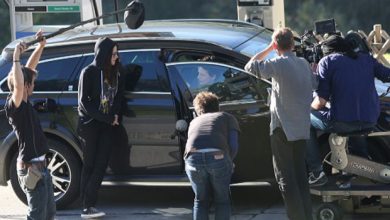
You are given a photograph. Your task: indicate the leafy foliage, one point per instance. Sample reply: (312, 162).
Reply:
(5, 35)
(349, 15)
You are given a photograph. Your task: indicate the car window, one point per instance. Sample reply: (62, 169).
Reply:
(145, 63)
(257, 44)
(148, 64)
(5, 68)
(229, 83)
(54, 74)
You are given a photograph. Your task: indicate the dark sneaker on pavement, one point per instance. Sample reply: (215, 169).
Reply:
(319, 179)
(91, 212)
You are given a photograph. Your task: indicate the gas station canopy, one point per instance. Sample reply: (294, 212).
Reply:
(27, 16)
(54, 6)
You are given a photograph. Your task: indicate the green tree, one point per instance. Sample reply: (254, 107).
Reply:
(172, 9)
(349, 15)
(56, 18)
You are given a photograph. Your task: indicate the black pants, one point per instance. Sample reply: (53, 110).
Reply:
(95, 138)
(290, 173)
(120, 159)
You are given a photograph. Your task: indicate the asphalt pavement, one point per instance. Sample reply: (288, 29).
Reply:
(159, 203)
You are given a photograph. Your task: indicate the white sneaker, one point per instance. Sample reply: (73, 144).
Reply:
(91, 212)
(317, 180)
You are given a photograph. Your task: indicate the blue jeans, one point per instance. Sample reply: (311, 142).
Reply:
(41, 204)
(210, 174)
(322, 123)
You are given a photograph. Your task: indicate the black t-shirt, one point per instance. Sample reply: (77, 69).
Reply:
(211, 130)
(27, 127)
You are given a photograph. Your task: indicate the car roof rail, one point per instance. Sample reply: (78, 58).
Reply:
(227, 21)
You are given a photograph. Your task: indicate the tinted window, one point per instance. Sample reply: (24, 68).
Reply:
(227, 82)
(257, 44)
(5, 67)
(145, 63)
(148, 64)
(54, 75)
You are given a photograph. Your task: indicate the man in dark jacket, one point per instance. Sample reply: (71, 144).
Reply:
(100, 101)
(347, 82)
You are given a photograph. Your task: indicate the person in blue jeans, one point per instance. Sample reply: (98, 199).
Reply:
(40, 200)
(32, 143)
(346, 81)
(211, 147)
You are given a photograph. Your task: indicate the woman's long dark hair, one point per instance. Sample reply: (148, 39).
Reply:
(111, 72)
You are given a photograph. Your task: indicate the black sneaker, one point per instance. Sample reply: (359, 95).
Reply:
(91, 212)
(317, 180)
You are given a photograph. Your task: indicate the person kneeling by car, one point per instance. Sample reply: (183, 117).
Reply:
(34, 177)
(211, 147)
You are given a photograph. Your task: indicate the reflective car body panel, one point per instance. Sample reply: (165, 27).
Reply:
(168, 53)
(162, 60)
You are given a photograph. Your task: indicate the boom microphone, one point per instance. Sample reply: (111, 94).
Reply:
(134, 17)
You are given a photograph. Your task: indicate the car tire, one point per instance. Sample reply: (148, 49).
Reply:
(65, 169)
(329, 211)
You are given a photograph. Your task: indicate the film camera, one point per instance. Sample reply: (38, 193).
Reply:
(310, 46)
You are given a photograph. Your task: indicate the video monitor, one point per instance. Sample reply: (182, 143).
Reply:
(325, 26)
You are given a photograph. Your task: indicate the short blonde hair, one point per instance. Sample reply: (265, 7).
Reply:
(284, 38)
(206, 102)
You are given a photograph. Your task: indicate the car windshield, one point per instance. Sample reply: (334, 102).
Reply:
(257, 44)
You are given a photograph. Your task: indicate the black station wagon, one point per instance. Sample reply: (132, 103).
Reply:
(167, 54)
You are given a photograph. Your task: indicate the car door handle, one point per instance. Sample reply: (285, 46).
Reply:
(45, 105)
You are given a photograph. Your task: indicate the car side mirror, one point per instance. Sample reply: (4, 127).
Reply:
(45, 105)
(181, 125)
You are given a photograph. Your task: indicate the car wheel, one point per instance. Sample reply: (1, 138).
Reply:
(64, 168)
(329, 211)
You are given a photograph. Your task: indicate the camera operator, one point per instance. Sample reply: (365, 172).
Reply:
(346, 80)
